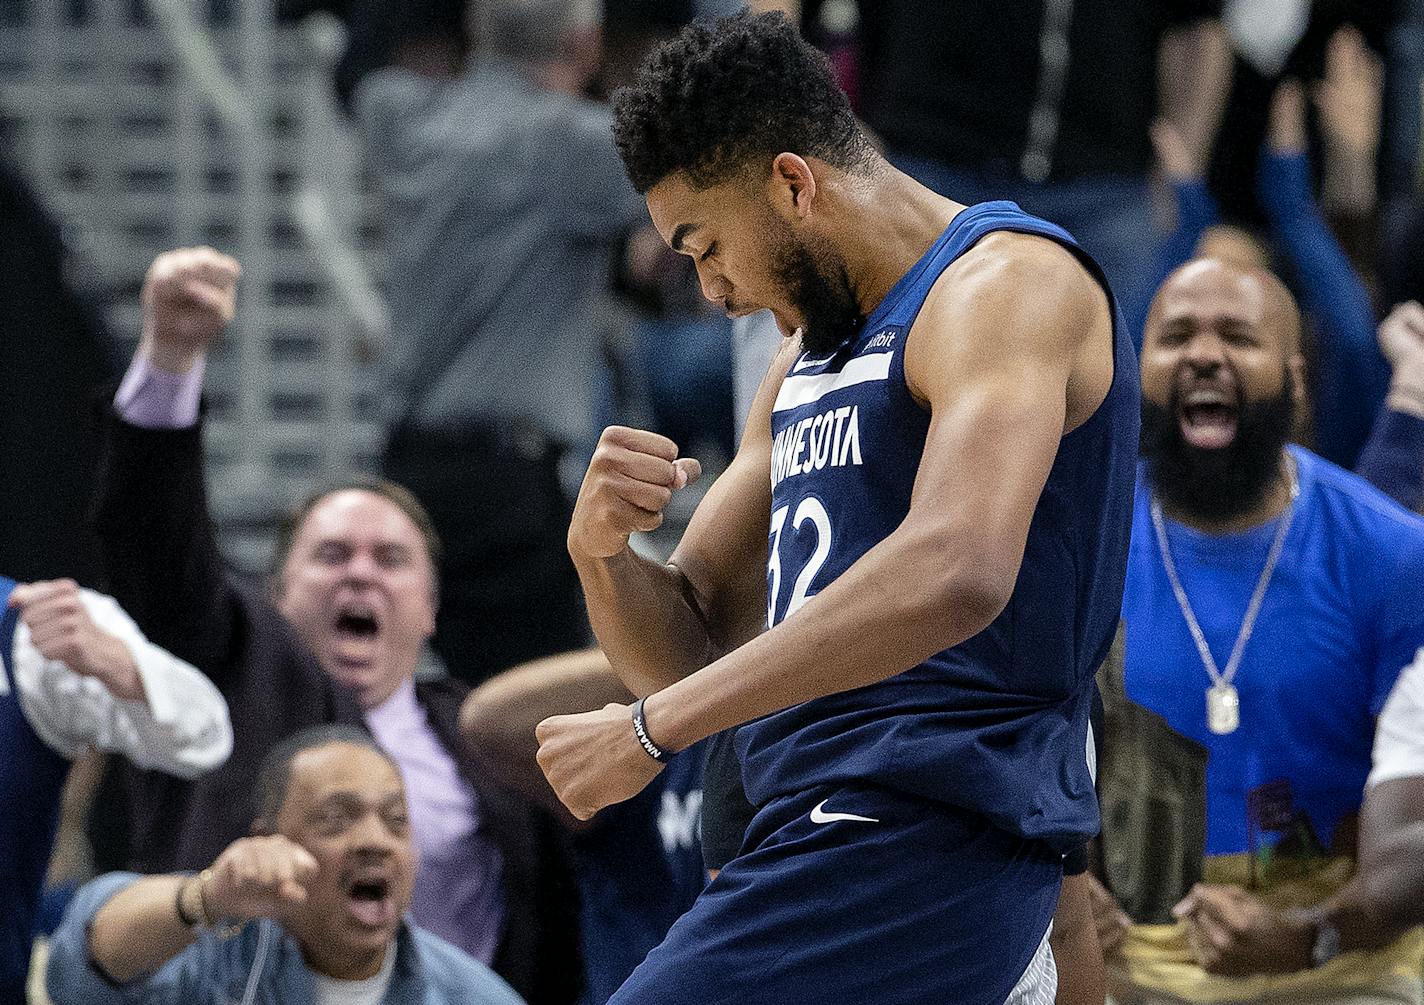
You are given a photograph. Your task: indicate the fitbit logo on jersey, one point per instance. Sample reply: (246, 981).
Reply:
(831, 438)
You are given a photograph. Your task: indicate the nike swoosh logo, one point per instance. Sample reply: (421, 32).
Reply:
(804, 362)
(820, 816)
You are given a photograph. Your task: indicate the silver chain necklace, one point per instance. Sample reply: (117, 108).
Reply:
(1223, 704)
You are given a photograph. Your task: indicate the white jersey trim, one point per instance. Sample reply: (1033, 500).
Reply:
(798, 391)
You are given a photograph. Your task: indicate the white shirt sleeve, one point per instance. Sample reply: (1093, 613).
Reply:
(1399, 735)
(182, 728)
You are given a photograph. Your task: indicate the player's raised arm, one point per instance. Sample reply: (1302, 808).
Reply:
(660, 622)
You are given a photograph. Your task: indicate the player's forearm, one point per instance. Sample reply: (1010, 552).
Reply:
(870, 624)
(644, 620)
(138, 930)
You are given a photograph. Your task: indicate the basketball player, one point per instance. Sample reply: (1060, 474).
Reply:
(930, 509)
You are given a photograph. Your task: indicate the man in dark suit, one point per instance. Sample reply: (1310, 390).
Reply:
(335, 636)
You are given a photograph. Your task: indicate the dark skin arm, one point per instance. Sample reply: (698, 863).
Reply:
(660, 622)
(498, 718)
(1004, 376)
(1081, 977)
(1236, 934)
(1109, 919)
(138, 930)
(1386, 896)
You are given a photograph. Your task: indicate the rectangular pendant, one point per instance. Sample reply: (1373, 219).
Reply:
(1223, 709)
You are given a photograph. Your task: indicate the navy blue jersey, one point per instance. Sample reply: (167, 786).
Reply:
(997, 725)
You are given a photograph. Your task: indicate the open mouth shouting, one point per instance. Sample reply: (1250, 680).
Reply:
(368, 898)
(1208, 414)
(356, 627)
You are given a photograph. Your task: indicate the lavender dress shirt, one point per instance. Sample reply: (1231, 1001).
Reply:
(459, 892)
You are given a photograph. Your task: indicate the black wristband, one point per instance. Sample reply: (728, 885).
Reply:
(640, 730)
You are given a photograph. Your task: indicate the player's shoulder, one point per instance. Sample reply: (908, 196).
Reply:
(1013, 284)
(1020, 262)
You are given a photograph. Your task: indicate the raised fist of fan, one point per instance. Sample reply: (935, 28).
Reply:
(1401, 334)
(62, 630)
(189, 296)
(629, 482)
(258, 877)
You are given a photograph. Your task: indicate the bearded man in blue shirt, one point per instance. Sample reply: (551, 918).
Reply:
(1271, 602)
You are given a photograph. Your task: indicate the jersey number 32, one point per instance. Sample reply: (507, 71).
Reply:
(809, 511)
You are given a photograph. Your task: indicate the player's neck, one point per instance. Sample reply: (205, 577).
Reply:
(1273, 503)
(891, 223)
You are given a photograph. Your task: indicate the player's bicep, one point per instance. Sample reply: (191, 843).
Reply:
(723, 553)
(992, 359)
(987, 458)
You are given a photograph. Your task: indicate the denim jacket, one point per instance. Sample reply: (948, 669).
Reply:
(259, 964)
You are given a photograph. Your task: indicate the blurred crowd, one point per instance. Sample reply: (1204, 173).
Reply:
(294, 784)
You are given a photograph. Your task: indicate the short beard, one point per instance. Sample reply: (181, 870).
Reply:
(820, 290)
(1216, 485)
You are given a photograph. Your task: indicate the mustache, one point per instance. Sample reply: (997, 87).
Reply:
(1216, 484)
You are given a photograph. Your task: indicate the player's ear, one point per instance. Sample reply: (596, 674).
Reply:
(793, 185)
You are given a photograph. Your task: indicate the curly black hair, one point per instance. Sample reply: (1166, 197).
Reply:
(719, 95)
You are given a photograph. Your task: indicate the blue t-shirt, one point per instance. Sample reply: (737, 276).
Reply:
(639, 869)
(1340, 620)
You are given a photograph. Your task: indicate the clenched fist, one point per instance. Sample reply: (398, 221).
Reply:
(189, 296)
(62, 630)
(593, 760)
(259, 877)
(1234, 933)
(1401, 335)
(629, 482)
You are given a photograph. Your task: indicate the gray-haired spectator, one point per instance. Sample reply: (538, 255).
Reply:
(508, 208)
